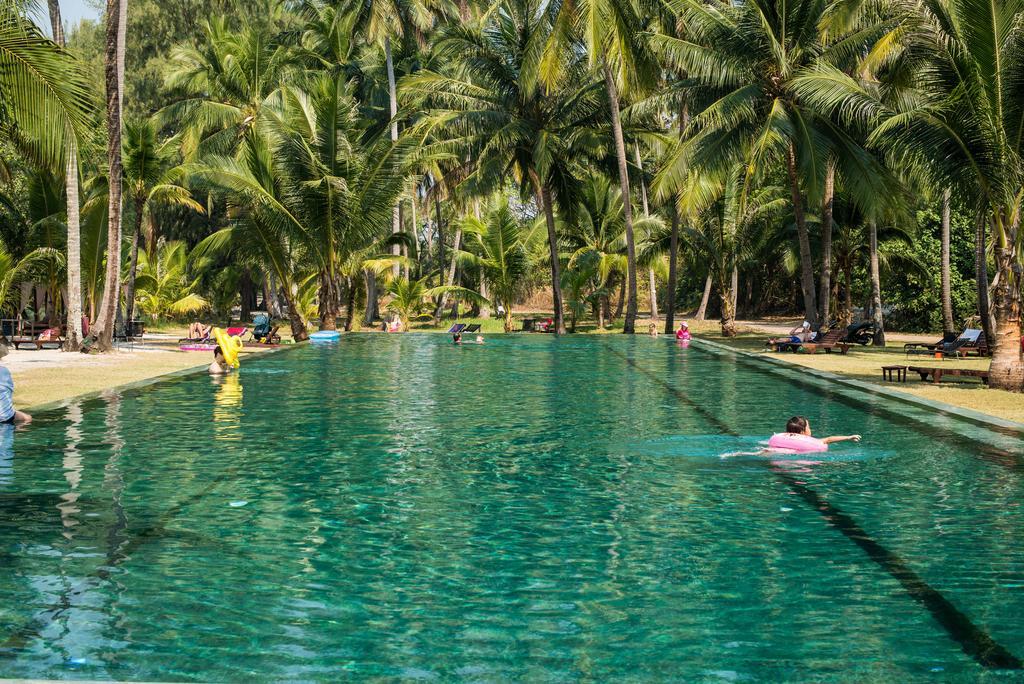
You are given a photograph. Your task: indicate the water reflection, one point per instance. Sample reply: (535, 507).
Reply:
(227, 408)
(6, 454)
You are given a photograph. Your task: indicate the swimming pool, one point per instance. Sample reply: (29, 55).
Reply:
(533, 508)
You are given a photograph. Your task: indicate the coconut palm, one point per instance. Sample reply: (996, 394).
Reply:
(615, 40)
(744, 60)
(491, 105)
(261, 232)
(164, 285)
(116, 21)
(149, 180)
(44, 98)
(727, 211)
(230, 81)
(73, 336)
(342, 183)
(14, 271)
(945, 98)
(501, 247)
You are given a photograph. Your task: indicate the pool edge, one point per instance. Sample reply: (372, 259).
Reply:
(969, 415)
(145, 382)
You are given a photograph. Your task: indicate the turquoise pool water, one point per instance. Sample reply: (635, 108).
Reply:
(534, 509)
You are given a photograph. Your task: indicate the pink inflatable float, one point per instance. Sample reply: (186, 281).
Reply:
(801, 444)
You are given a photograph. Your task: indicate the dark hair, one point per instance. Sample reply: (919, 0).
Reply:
(218, 350)
(796, 424)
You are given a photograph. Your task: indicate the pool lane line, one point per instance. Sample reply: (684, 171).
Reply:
(115, 556)
(973, 640)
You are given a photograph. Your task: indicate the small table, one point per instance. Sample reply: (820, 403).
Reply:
(901, 373)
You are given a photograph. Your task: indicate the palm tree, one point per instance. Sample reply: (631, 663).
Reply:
(727, 211)
(230, 82)
(149, 181)
(745, 59)
(164, 285)
(342, 184)
(73, 304)
(501, 248)
(491, 106)
(378, 21)
(943, 96)
(595, 234)
(14, 271)
(614, 36)
(44, 97)
(117, 20)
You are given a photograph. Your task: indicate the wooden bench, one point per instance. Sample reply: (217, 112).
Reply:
(937, 373)
(900, 372)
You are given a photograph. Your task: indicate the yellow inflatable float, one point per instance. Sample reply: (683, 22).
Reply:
(229, 344)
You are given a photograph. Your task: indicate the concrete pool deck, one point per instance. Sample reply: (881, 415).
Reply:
(43, 377)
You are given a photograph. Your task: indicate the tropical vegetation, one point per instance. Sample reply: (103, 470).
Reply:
(335, 161)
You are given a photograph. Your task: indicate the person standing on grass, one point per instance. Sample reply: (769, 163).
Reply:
(8, 414)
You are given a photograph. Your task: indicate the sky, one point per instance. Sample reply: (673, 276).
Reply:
(72, 11)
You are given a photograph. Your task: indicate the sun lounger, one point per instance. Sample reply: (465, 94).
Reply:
(929, 349)
(830, 342)
(456, 328)
(473, 328)
(529, 325)
(937, 374)
(49, 338)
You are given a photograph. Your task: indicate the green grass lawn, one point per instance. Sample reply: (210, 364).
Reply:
(865, 364)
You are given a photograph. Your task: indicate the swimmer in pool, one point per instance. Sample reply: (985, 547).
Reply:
(798, 437)
(220, 365)
(457, 338)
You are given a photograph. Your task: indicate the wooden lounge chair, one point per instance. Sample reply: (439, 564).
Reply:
(51, 338)
(929, 349)
(937, 374)
(829, 342)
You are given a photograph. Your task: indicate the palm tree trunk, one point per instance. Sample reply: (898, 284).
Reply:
(947, 294)
(544, 200)
(440, 240)
(728, 297)
(620, 305)
(133, 264)
(450, 280)
(734, 286)
(627, 209)
(702, 311)
(295, 319)
(652, 283)
(825, 300)
(73, 300)
(673, 255)
(370, 278)
(876, 286)
(1007, 368)
(117, 11)
(396, 219)
(981, 277)
(330, 301)
(806, 266)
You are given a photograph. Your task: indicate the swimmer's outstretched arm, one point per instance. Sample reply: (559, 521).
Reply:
(841, 438)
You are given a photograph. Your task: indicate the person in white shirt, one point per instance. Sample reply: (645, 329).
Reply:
(8, 414)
